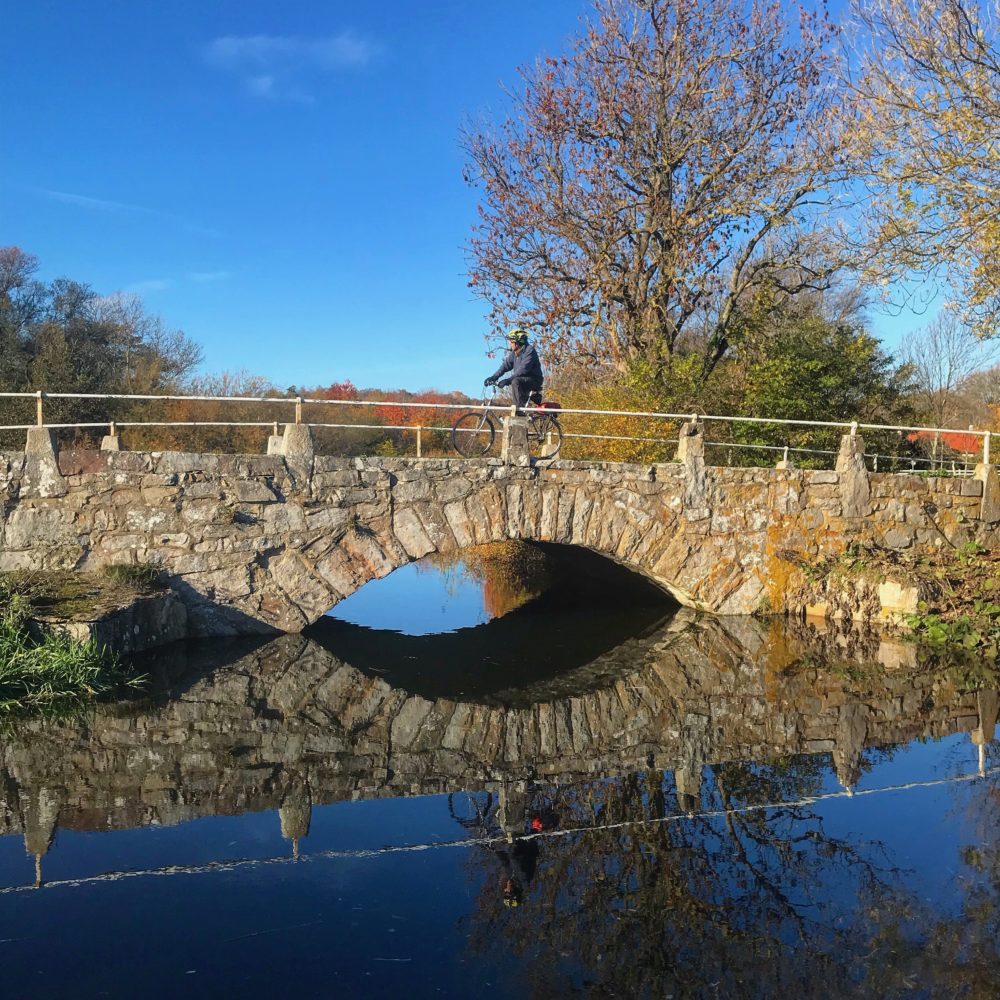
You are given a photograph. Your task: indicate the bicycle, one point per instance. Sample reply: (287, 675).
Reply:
(473, 433)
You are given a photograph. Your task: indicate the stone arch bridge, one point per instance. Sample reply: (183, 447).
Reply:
(259, 543)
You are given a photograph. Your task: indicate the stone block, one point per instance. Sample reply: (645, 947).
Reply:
(821, 477)
(297, 444)
(252, 491)
(899, 537)
(897, 599)
(514, 443)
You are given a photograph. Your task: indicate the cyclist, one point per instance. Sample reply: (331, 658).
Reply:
(523, 366)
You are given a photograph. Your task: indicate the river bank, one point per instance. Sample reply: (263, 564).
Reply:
(61, 634)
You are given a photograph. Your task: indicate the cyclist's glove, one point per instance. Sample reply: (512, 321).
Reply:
(503, 383)
(490, 381)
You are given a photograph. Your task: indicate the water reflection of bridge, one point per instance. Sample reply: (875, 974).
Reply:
(289, 724)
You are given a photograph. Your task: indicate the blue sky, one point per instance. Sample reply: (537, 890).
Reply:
(282, 182)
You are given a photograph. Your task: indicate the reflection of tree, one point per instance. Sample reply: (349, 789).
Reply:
(696, 906)
(918, 947)
(510, 573)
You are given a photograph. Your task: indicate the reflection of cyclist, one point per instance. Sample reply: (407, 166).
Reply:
(519, 869)
(523, 366)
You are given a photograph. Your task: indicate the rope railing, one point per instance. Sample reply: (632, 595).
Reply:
(300, 402)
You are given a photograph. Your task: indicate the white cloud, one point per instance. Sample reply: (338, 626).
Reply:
(270, 65)
(249, 52)
(82, 201)
(261, 86)
(205, 276)
(268, 87)
(124, 208)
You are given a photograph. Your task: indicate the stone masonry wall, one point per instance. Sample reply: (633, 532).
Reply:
(258, 543)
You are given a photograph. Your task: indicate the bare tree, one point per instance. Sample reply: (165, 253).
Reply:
(152, 354)
(679, 156)
(943, 357)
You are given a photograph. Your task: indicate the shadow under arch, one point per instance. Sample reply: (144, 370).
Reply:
(499, 663)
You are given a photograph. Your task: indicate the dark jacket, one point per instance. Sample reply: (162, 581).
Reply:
(523, 365)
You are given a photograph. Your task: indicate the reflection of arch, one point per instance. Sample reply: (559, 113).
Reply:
(689, 695)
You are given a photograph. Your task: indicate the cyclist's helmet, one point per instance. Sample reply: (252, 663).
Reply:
(517, 337)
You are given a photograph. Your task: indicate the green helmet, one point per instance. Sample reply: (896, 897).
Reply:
(518, 337)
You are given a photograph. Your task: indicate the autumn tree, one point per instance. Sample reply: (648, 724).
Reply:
(814, 358)
(944, 356)
(648, 180)
(929, 92)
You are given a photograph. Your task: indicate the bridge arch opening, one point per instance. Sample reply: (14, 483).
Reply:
(488, 621)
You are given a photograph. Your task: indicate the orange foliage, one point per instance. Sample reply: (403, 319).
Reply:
(963, 444)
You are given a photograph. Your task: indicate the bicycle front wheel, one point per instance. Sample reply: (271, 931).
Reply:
(544, 437)
(472, 434)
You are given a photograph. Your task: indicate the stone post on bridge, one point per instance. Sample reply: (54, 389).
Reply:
(275, 442)
(297, 443)
(691, 454)
(514, 443)
(112, 440)
(853, 481)
(989, 511)
(42, 477)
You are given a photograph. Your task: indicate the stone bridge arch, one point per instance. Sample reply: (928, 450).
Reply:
(369, 523)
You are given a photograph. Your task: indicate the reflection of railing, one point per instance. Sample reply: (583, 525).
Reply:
(977, 440)
(361, 854)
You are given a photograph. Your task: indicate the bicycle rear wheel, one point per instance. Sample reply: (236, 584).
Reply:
(544, 437)
(472, 434)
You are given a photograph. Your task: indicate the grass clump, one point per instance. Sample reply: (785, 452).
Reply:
(46, 668)
(139, 576)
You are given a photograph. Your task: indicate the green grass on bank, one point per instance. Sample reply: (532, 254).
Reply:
(45, 668)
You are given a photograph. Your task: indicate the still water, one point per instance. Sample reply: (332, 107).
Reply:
(572, 792)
